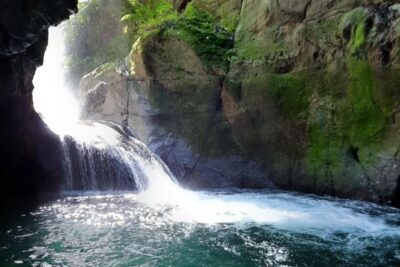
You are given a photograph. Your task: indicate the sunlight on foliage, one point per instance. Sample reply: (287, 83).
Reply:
(210, 40)
(196, 26)
(144, 17)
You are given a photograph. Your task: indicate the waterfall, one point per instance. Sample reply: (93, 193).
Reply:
(158, 223)
(97, 155)
(106, 156)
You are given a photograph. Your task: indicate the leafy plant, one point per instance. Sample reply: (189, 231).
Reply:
(210, 40)
(140, 18)
(196, 26)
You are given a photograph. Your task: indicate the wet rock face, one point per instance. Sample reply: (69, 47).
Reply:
(172, 104)
(90, 168)
(312, 94)
(29, 151)
(105, 95)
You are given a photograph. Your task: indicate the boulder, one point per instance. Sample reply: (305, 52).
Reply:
(174, 107)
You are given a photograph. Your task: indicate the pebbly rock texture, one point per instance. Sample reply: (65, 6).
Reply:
(29, 161)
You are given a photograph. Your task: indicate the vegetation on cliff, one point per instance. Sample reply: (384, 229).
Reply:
(320, 83)
(93, 41)
(307, 89)
(209, 37)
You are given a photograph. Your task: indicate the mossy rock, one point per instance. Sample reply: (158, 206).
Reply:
(186, 91)
(226, 12)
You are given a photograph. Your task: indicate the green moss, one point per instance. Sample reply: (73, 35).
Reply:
(359, 38)
(270, 49)
(326, 149)
(198, 27)
(357, 20)
(329, 32)
(329, 162)
(228, 20)
(200, 30)
(226, 12)
(345, 125)
(288, 91)
(291, 92)
(141, 19)
(326, 158)
(204, 25)
(367, 118)
(354, 17)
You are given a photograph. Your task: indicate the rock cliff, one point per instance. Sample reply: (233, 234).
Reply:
(303, 93)
(312, 94)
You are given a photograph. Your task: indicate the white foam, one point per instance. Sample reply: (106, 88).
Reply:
(304, 214)
(51, 97)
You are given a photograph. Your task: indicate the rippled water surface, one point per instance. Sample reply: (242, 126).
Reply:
(215, 229)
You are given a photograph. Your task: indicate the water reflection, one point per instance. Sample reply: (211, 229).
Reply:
(122, 230)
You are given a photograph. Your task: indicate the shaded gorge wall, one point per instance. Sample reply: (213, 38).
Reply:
(30, 155)
(237, 93)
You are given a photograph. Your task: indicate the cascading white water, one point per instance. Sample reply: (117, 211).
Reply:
(97, 144)
(166, 225)
(52, 98)
(98, 155)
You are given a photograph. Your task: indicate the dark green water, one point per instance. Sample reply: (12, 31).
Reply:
(217, 229)
(169, 226)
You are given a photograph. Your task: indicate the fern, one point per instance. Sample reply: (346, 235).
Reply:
(144, 17)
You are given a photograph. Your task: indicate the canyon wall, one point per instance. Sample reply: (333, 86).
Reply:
(241, 93)
(313, 94)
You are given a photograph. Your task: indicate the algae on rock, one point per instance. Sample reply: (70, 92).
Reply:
(306, 89)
